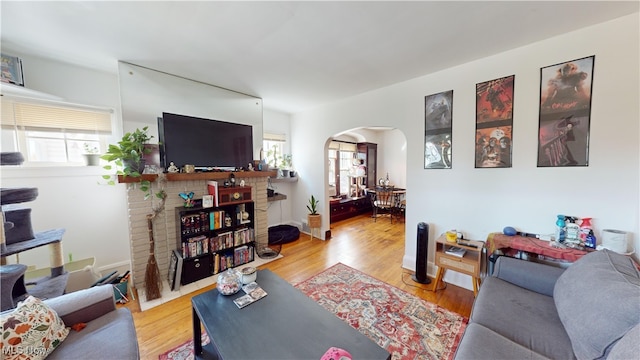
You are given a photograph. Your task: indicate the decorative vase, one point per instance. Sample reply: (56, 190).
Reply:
(229, 282)
(92, 159)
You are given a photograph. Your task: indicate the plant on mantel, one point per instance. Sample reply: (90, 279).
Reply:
(128, 160)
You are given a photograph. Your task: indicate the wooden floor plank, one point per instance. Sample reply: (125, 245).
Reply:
(375, 248)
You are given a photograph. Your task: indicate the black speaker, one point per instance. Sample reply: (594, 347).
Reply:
(421, 255)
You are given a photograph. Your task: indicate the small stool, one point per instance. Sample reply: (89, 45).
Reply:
(12, 284)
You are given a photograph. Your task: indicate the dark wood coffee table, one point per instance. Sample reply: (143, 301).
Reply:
(286, 324)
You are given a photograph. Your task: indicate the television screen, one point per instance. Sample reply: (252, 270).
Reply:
(204, 143)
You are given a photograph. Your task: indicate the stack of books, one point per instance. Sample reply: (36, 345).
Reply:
(455, 251)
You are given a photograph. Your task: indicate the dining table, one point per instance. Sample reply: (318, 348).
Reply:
(399, 197)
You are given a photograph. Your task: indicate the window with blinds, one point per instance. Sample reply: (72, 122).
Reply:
(52, 132)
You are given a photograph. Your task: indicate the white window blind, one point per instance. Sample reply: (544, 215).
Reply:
(343, 146)
(54, 117)
(273, 137)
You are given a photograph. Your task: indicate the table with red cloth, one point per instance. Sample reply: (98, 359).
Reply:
(498, 241)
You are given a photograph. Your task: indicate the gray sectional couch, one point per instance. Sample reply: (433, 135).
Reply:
(110, 331)
(528, 310)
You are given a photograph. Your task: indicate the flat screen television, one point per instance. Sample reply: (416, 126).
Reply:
(205, 143)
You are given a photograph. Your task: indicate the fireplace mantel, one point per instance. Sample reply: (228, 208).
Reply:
(211, 175)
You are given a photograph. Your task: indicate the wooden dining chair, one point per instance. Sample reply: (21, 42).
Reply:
(383, 202)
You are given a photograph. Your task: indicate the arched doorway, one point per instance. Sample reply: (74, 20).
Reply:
(349, 173)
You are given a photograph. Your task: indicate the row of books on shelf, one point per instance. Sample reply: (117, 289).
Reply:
(217, 219)
(239, 256)
(243, 236)
(195, 246)
(199, 245)
(242, 255)
(208, 220)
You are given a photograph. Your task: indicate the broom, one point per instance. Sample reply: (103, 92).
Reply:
(152, 282)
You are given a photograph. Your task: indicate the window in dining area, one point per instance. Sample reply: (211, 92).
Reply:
(341, 155)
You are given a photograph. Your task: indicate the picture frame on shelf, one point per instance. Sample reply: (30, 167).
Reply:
(12, 70)
(494, 123)
(175, 270)
(438, 120)
(207, 201)
(565, 113)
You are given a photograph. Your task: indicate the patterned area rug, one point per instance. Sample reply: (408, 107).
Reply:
(183, 351)
(405, 325)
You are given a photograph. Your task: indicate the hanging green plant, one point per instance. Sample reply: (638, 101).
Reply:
(127, 159)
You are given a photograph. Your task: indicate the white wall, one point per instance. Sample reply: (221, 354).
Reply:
(145, 94)
(93, 215)
(280, 212)
(480, 201)
(392, 157)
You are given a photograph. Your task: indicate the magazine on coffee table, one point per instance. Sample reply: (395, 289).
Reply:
(253, 293)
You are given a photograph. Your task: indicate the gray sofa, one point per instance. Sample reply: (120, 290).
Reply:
(528, 310)
(110, 332)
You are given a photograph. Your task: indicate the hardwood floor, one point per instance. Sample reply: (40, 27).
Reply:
(375, 248)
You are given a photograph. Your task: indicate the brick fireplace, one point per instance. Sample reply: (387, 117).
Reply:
(164, 225)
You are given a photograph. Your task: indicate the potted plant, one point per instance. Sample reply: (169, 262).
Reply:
(128, 157)
(285, 165)
(91, 154)
(129, 152)
(314, 219)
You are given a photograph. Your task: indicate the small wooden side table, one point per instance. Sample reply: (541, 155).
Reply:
(470, 263)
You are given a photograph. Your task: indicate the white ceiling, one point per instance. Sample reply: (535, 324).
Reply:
(294, 55)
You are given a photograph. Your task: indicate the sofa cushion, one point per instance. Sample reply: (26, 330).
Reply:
(597, 301)
(523, 316)
(479, 342)
(33, 330)
(533, 276)
(628, 347)
(84, 305)
(111, 336)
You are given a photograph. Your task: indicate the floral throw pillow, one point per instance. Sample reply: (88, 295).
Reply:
(31, 331)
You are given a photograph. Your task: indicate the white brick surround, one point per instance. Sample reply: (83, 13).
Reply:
(164, 225)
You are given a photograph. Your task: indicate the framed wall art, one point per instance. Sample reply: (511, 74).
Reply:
(494, 123)
(437, 135)
(12, 70)
(565, 113)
